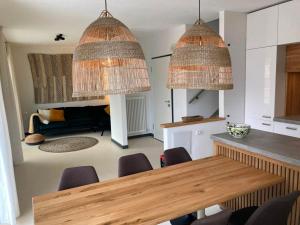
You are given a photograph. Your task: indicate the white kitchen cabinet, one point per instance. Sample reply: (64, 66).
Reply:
(262, 28)
(287, 129)
(260, 85)
(194, 137)
(289, 23)
(261, 124)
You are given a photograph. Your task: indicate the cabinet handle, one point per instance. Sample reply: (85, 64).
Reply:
(266, 117)
(266, 124)
(292, 128)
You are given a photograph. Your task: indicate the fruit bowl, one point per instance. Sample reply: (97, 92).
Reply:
(238, 130)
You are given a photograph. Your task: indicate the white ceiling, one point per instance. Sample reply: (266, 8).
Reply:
(38, 21)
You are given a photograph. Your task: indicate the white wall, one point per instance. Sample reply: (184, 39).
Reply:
(16, 93)
(196, 139)
(155, 44)
(208, 102)
(233, 28)
(10, 106)
(180, 104)
(206, 105)
(24, 78)
(118, 119)
(162, 43)
(9, 207)
(10, 146)
(158, 43)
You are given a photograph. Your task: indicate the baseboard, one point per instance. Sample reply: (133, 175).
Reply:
(158, 140)
(121, 146)
(141, 135)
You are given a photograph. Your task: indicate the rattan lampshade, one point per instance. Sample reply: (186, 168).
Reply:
(200, 60)
(108, 60)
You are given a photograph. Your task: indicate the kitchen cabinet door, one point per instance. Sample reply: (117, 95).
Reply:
(287, 129)
(260, 83)
(289, 23)
(261, 124)
(262, 28)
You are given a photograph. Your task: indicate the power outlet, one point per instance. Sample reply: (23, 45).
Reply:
(199, 132)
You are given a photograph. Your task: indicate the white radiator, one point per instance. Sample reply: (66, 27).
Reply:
(136, 115)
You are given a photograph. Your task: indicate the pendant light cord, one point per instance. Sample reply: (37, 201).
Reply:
(105, 5)
(199, 10)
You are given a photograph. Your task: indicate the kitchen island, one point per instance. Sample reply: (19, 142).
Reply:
(273, 153)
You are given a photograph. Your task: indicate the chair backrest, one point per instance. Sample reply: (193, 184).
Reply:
(275, 211)
(78, 176)
(132, 164)
(176, 155)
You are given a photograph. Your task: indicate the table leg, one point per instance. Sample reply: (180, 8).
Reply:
(201, 214)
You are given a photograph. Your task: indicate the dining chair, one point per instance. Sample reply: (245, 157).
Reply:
(78, 176)
(175, 156)
(220, 218)
(172, 157)
(241, 216)
(132, 164)
(275, 211)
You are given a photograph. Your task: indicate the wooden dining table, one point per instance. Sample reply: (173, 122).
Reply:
(152, 197)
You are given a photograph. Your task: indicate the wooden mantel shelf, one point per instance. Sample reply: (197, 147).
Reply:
(181, 124)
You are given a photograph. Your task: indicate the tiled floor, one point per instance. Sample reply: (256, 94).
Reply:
(41, 171)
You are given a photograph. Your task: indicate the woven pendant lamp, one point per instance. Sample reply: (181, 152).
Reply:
(108, 60)
(200, 60)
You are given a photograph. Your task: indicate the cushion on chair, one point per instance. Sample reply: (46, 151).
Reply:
(52, 115)
(57, 115)
(107, 109)
(220, 218)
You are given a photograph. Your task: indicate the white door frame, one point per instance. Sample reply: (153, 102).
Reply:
(171, 101)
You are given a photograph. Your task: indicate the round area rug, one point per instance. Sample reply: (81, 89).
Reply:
(68, 144)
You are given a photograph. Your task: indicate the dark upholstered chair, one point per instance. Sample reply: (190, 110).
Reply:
(78, 176)
(220, 218)
(176, 155)
(241, 216)
(273, 212)
(172, 157)
(132, 164)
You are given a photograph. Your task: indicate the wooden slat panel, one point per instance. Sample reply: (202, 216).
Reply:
(293, 58)
(290, 173)
(293, 94)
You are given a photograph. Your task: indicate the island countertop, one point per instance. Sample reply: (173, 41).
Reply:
(275, 146)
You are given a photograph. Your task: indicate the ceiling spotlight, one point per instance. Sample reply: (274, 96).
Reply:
(59, 37)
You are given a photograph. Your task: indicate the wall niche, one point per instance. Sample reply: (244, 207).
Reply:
(293, 80)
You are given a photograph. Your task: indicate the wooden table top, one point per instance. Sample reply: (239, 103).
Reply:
(152, 197)
(181, 123)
